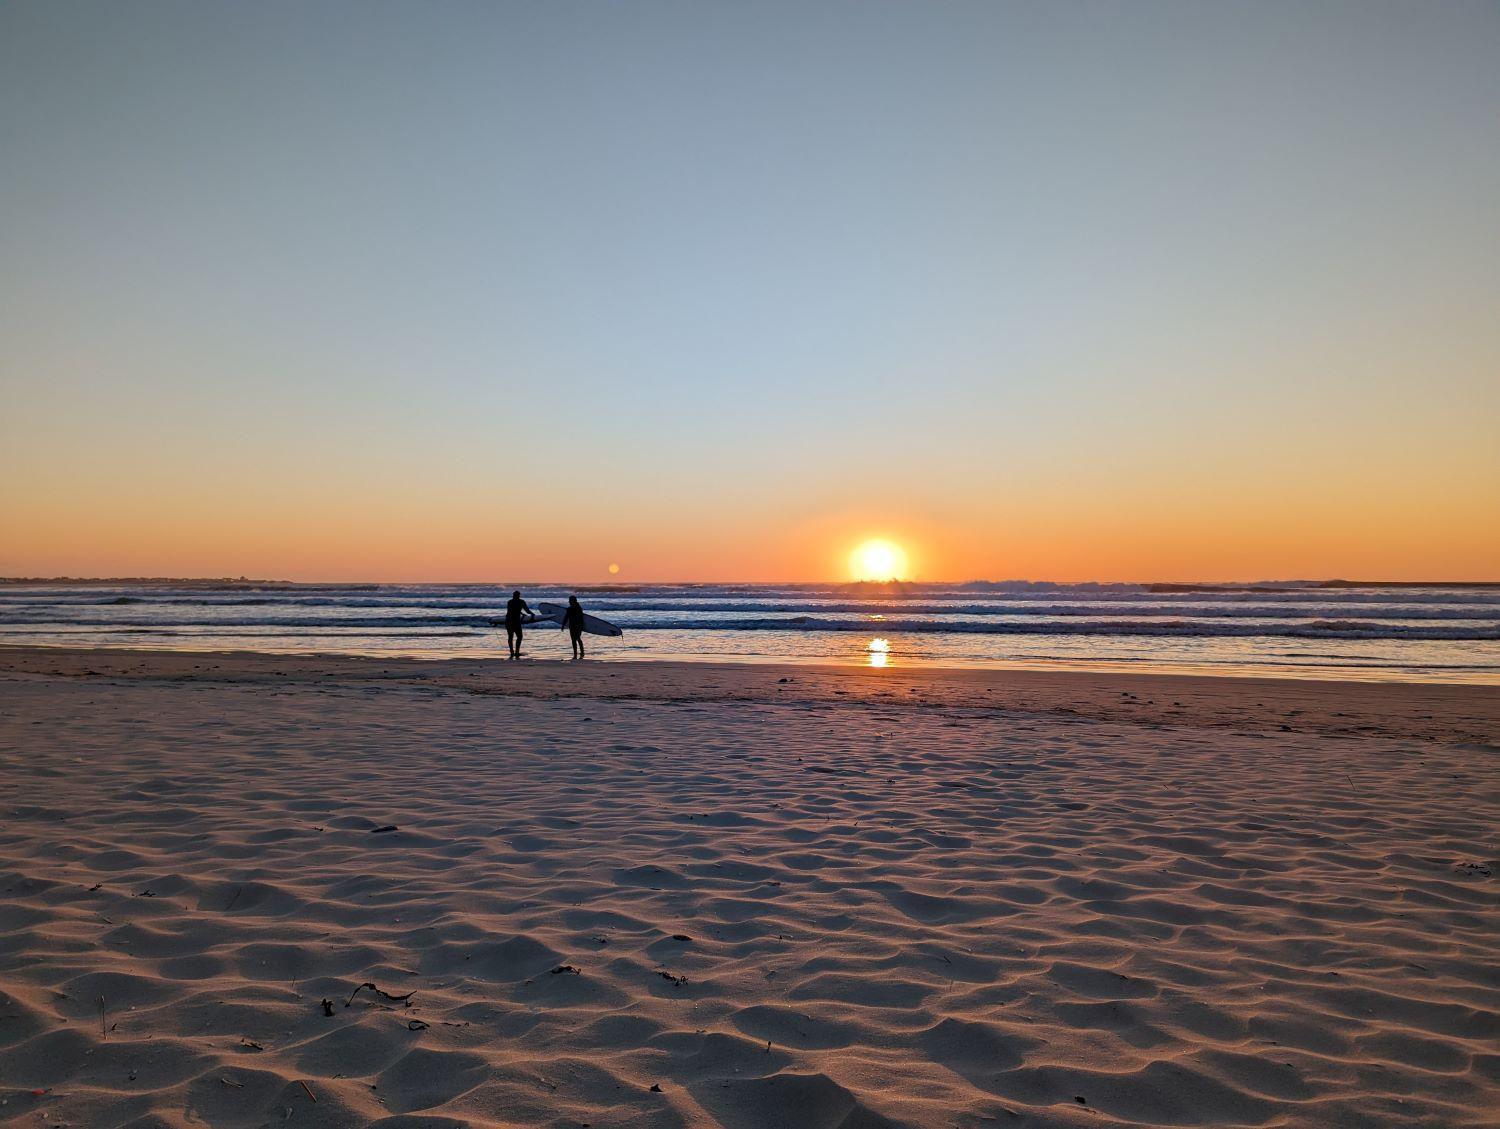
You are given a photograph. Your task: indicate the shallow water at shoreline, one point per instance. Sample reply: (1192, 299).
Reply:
(1437, 634)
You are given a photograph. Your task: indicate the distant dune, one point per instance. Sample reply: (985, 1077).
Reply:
(160, 581)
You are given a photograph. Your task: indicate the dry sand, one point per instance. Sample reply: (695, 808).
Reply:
(679, 895)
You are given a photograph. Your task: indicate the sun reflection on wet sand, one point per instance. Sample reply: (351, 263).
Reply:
(880, 652)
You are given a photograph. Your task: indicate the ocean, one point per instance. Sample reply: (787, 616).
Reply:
(1440, 633)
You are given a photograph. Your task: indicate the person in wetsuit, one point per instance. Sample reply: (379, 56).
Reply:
(573, 624)
(515, 609)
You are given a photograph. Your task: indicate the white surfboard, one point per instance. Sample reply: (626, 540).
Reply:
(591, 623)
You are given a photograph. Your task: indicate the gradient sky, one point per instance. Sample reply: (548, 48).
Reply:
(472, 291)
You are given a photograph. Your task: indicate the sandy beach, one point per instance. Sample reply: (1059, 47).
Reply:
(251, 890)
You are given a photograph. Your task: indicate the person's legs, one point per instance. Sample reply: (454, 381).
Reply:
(578, 644)
(518, 642)
(510, 640)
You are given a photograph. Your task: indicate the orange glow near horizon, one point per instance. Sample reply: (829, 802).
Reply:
(320, 538)
(277, 522)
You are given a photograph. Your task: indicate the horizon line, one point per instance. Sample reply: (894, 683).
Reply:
(1327, 582)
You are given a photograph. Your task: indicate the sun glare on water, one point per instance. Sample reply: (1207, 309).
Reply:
(878, 560)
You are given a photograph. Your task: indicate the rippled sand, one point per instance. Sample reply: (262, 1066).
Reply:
(716, 896)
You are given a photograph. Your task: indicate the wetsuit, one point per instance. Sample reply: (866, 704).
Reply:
(515, 608)
(573, 621)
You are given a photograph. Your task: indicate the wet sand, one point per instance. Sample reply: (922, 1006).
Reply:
(742, 896)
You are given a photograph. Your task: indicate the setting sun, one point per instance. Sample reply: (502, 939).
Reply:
(878, 560)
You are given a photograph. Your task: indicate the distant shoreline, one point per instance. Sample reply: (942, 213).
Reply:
(155, 581)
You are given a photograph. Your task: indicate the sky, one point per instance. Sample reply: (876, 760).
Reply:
(715, 291)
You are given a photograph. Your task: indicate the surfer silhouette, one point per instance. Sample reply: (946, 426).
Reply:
(572, 622)
(515, 609)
